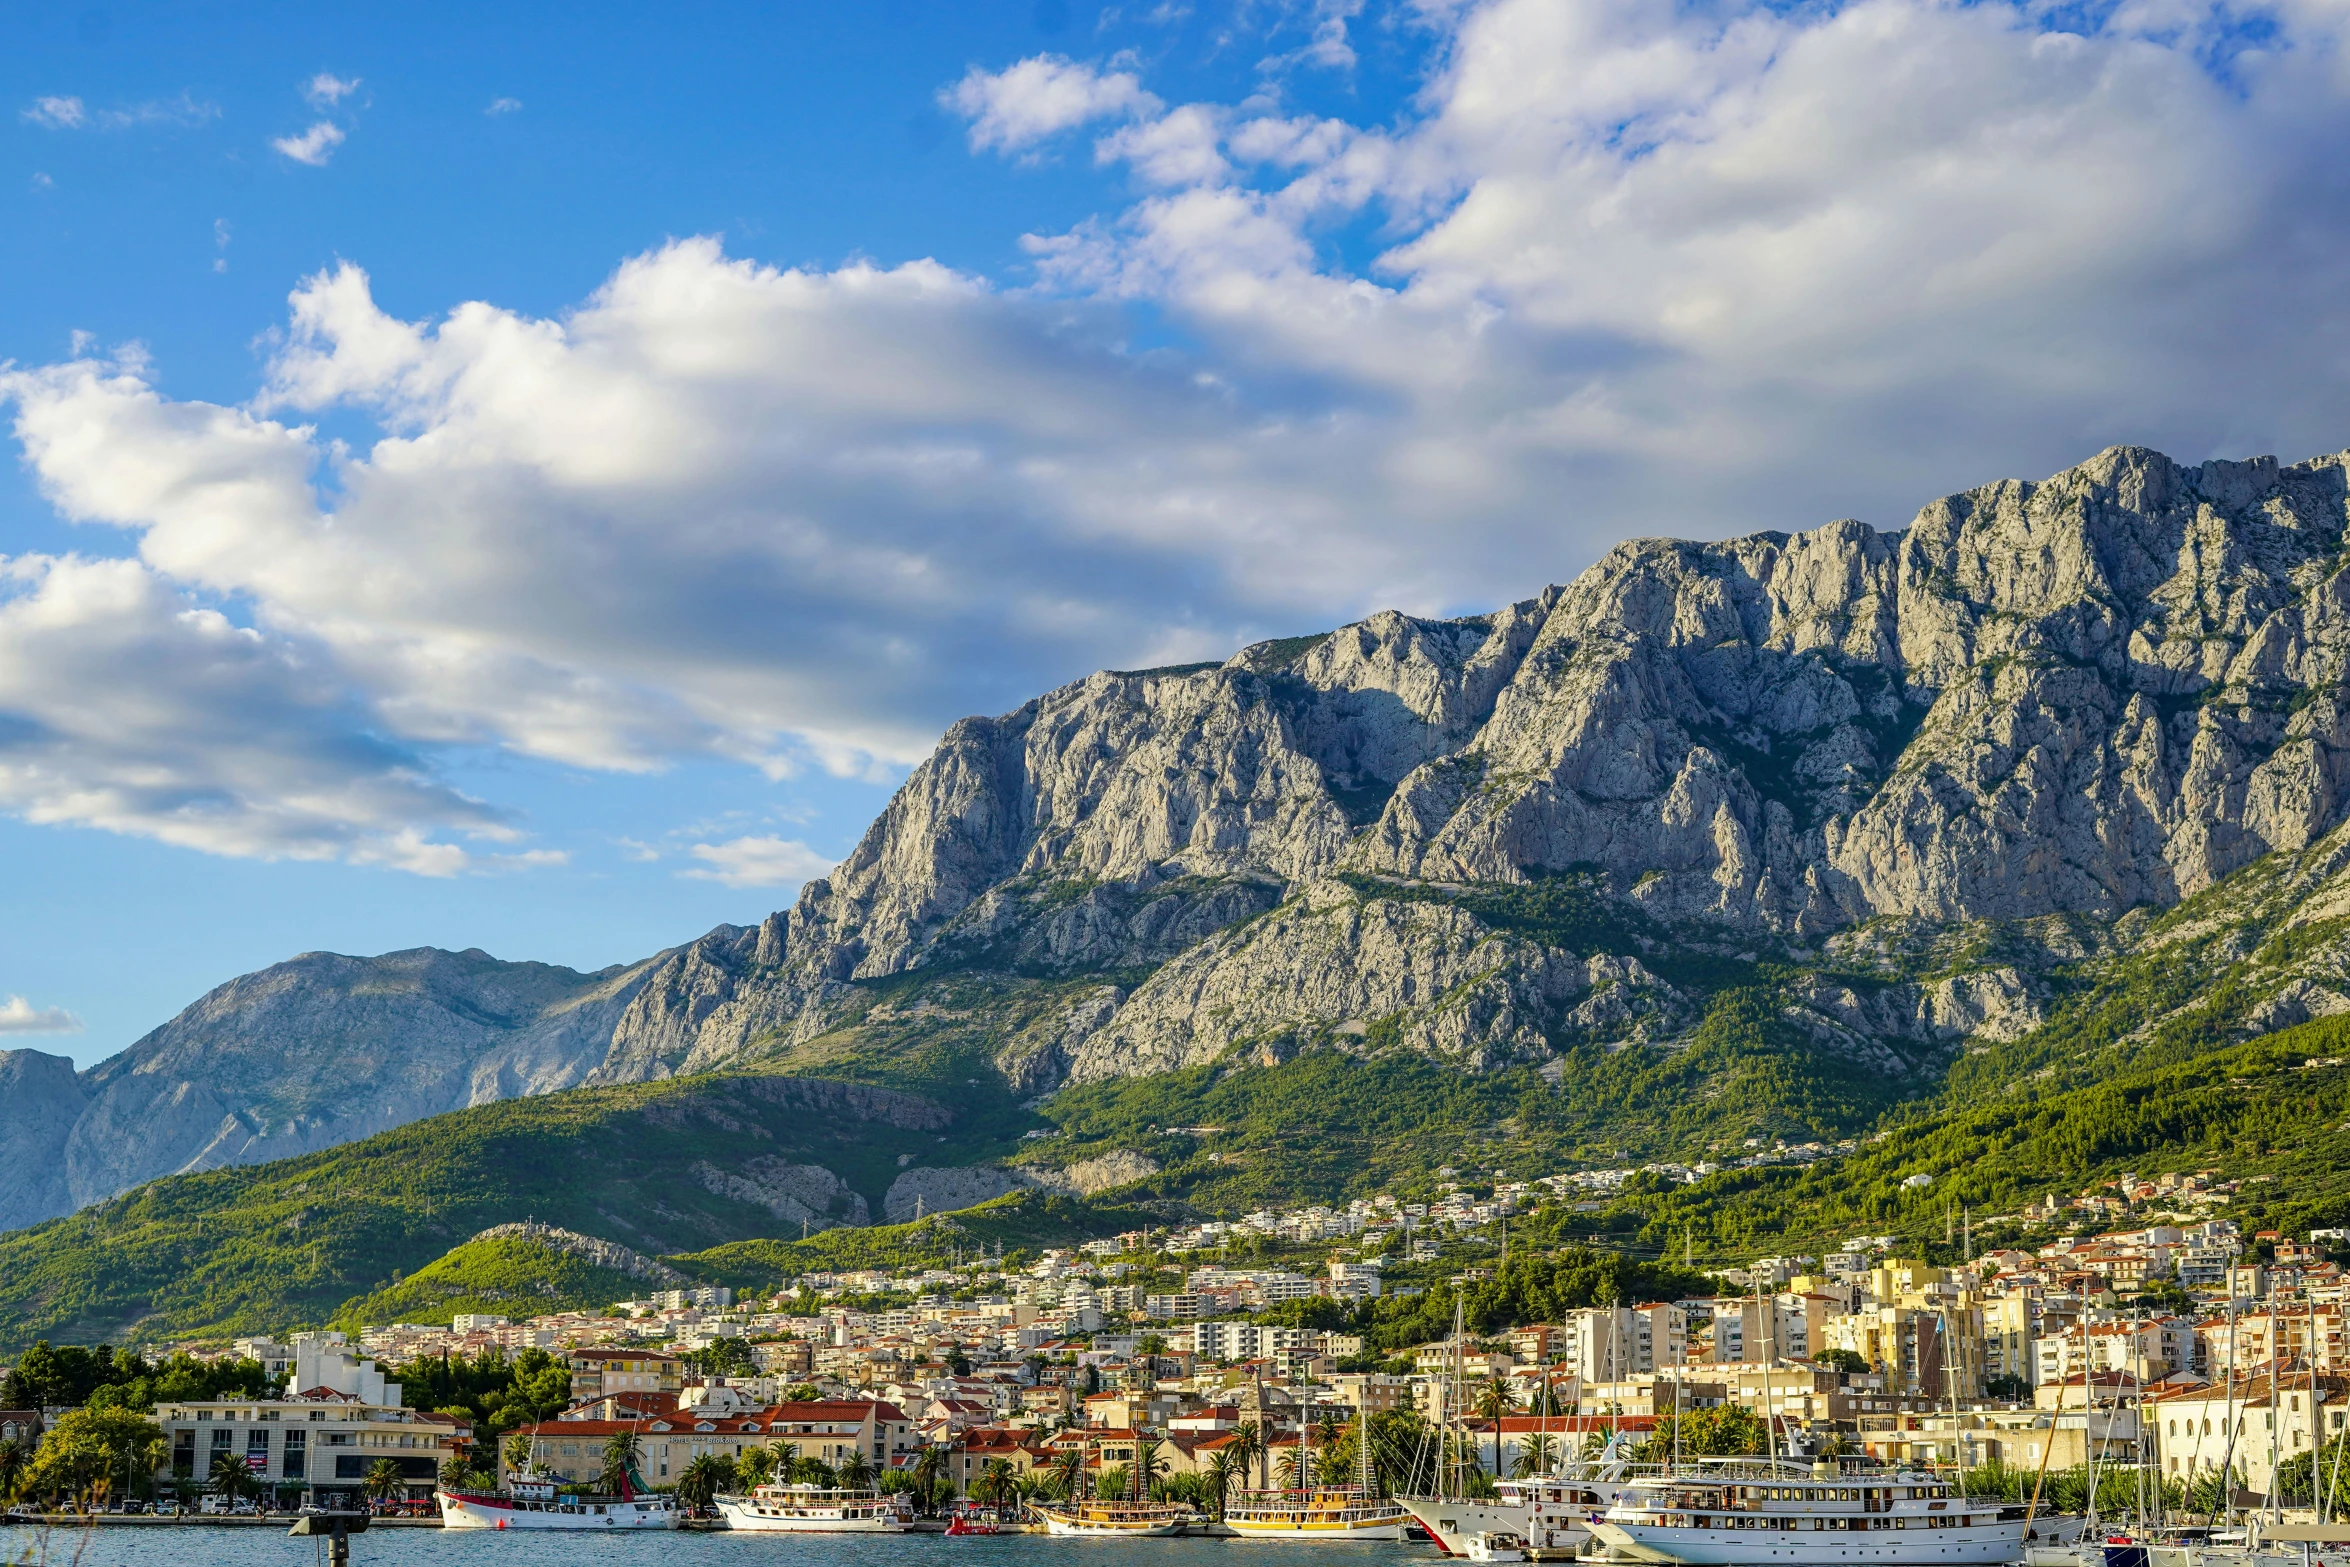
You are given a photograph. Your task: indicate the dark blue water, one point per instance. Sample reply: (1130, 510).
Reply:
(201, 1546)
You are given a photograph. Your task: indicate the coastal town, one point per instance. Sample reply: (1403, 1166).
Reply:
(1190, 1352)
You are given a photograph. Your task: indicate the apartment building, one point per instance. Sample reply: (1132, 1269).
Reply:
(318, 1444)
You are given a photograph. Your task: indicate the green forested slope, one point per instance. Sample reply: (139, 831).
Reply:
(505, 1275)
(268, 1246)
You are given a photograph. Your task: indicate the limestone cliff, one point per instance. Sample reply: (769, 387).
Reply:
(2046, 707)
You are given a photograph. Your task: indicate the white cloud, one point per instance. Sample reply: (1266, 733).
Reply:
(325, 90)
(19, 1016)
(58, 114)
(128, 707)
(313, 146)
(72, 114)
(504, 106)
(43, 182)
(1649, 269)
(757, 862)
(1178, 148)
(1040, 97)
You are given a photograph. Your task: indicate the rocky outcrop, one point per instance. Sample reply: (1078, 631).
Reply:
(797, 1194)
(925, 1191)
(1089, 1177)
(602, 1253)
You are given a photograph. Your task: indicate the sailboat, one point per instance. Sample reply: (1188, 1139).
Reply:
(1121, 1518)
(1320, 1512)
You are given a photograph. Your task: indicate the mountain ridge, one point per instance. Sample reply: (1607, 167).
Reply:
(1773, 790)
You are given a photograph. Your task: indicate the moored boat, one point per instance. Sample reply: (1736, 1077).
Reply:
(812, 1509)
(1730, 1512)
(1325, 1513)
(533, 1502)
(1107, 1520)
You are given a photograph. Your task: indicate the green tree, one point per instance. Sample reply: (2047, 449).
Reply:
(231, 1479)
(1069, 1474)
(13, 1463)
(704, 1478)
(998, 1483)
(92, 1451)
(1706, 1433)
(517, 1450)
(1111, 1484)
(1534, 1456)
(930, 1466)
(384, 1480)
(1150, 1462)
(756, 1467)
(1225, 1471)
(622, 1457)
(855, 1469)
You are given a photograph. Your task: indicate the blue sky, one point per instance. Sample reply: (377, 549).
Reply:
(535, 477)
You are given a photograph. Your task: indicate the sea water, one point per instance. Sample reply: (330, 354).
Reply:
(200, 1545)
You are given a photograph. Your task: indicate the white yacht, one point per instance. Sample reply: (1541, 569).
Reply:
(1753, 1510)
(533, 1502)
(811, 1509)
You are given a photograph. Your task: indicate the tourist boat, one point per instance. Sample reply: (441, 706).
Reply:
(1104, 1520)
(1501, 1546)
(1755, 1510)
(1324, 1513)
(976, 1520)
(815, 1509)
(532, 1502)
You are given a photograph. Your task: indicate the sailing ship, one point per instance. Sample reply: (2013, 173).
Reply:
(1325, 1512)
(533, 1502)
(1122, 1518)
(815, 1509)
(1753, 1510)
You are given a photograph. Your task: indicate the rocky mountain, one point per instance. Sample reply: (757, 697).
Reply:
(308, 1054)
(1856, 797)
(2073, 698)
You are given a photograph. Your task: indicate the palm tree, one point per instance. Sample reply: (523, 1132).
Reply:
(930, 1467)
(1149, 1465)
(703, 1479)
(998, 1483)
(1225, 1467)
(1248, 1444)
(1534, 1457)
(621, 1458)
(1110, 1485)
(808, 1469)
(230, 1477)
(517, 1450)
(1495, 1400)
(855, 1469)
(384, 1480)
(1069, 1473)
(12, 1467)
(756, 1467)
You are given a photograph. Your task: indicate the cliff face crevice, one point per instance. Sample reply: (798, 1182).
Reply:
(2077, 697)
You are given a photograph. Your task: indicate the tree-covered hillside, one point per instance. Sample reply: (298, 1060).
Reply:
(648, 1166)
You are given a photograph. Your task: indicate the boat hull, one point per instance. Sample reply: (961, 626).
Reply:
(460, 1511)
(1450, 1523)
(751, 1521)
(1079, 1528)
(1309, 1529)
(1979, 1545)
